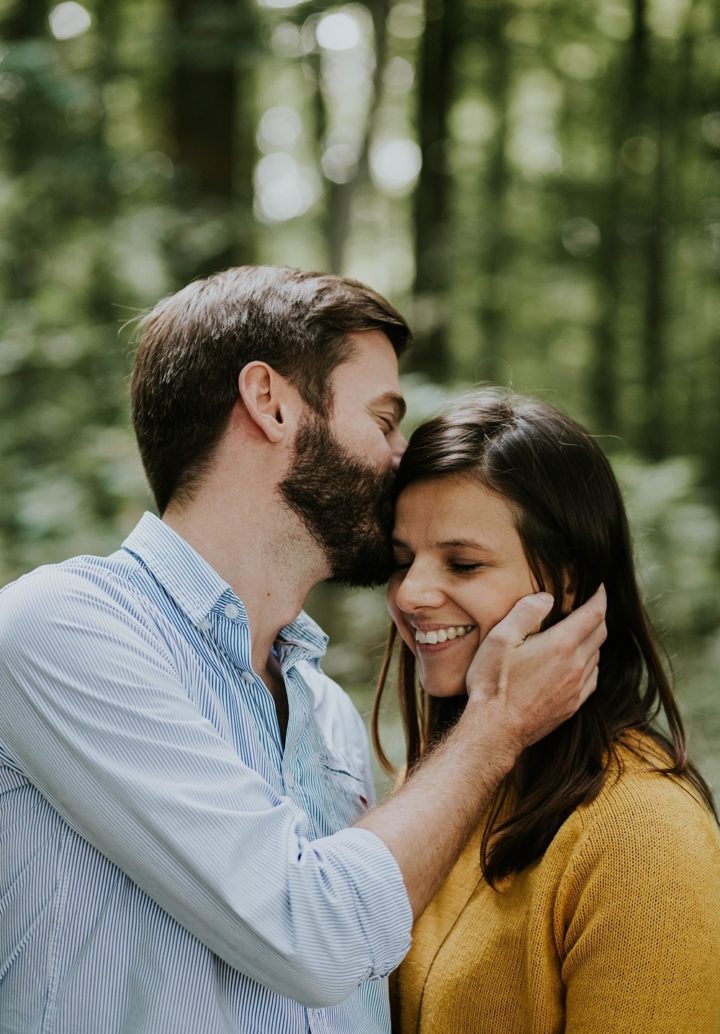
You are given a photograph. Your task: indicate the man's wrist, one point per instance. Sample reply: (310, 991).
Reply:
(494, 740)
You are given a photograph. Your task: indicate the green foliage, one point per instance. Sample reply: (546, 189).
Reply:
(534, 184)
(677, 536)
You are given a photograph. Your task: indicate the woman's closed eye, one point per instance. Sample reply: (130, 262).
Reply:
(466, 566)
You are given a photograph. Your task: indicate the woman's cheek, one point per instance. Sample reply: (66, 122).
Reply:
(407, 634)
(392, 607)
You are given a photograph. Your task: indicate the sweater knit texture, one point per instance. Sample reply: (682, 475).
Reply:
(615, 930)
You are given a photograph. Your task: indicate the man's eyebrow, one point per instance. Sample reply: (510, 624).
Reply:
(395, 401)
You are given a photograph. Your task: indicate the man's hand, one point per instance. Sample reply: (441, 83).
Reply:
(531, 681)
(521, 684)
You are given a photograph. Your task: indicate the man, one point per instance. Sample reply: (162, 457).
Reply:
(177, 774)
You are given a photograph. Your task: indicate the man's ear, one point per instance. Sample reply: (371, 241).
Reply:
(268, 399)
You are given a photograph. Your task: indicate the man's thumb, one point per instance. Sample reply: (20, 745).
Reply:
(527, 615)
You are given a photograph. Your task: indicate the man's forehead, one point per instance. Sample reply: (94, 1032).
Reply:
(370, 373)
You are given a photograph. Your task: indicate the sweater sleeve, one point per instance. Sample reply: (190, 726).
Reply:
(637, 922)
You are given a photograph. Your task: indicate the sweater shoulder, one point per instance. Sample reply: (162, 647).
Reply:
(638, 793)
(643, 822)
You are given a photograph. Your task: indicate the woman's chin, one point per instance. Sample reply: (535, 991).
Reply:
(444, 690)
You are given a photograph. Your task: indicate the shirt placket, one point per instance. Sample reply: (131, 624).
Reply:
(232, 635)
(297, 730)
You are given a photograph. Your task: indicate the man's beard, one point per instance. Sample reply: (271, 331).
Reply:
(346, 505)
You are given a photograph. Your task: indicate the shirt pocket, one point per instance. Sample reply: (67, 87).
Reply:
(345, 790)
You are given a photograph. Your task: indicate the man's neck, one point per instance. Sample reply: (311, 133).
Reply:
(262, 552)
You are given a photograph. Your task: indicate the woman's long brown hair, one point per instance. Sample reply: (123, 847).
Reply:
(571, 519)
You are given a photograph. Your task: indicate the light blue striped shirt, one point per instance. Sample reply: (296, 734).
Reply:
(165, 864)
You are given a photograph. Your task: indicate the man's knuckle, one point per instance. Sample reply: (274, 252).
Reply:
(499, 636)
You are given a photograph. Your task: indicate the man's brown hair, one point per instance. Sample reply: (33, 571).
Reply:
(193, 345)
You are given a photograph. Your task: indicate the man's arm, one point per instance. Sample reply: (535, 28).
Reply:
(134, 753)
(521, 686)
(96, 717)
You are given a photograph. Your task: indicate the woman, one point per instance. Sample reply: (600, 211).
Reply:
(589, 899)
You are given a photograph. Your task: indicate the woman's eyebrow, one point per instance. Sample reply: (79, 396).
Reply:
(450, 544)
(461, 543)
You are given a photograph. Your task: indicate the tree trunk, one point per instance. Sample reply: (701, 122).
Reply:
(436, 87)
(493, 241)
(654, 431)
(30, 132)
(211, 100)
(341, 195)
(628, 104)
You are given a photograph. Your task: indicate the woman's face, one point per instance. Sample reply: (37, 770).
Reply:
(459, 569)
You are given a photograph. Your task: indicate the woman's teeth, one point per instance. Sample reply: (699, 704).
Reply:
(441, 635)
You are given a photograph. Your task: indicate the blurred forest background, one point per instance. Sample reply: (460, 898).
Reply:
(535, 184)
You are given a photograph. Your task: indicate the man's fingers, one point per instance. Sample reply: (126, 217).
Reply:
(586, 683)
(591, 614)
(597, 637)
(590, 677)
(586, 625)
(544, 677)
(524, 619)
(579, 690)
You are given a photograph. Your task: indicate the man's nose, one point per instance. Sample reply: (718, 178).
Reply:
(399, 445)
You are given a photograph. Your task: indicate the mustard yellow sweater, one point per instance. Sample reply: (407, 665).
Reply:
(616, 930)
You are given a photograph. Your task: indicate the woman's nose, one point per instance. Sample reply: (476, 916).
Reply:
(417, 590)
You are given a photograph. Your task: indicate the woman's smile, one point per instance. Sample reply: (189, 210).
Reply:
(440, 635)
(460, 567)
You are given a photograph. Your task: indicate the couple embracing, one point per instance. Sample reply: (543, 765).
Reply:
(188, 834)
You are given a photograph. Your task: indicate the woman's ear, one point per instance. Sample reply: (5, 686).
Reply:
(569, 590)
(268, 399)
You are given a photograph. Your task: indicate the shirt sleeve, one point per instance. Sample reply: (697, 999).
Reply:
(96, 717)
(638, 919)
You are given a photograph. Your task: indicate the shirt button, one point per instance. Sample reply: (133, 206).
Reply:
(289, 780)
(231, 611)
(247, 678)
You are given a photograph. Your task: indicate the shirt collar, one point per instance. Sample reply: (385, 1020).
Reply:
(186, 577)
(197, 588)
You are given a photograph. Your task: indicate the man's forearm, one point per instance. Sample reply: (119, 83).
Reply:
(427, 822)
